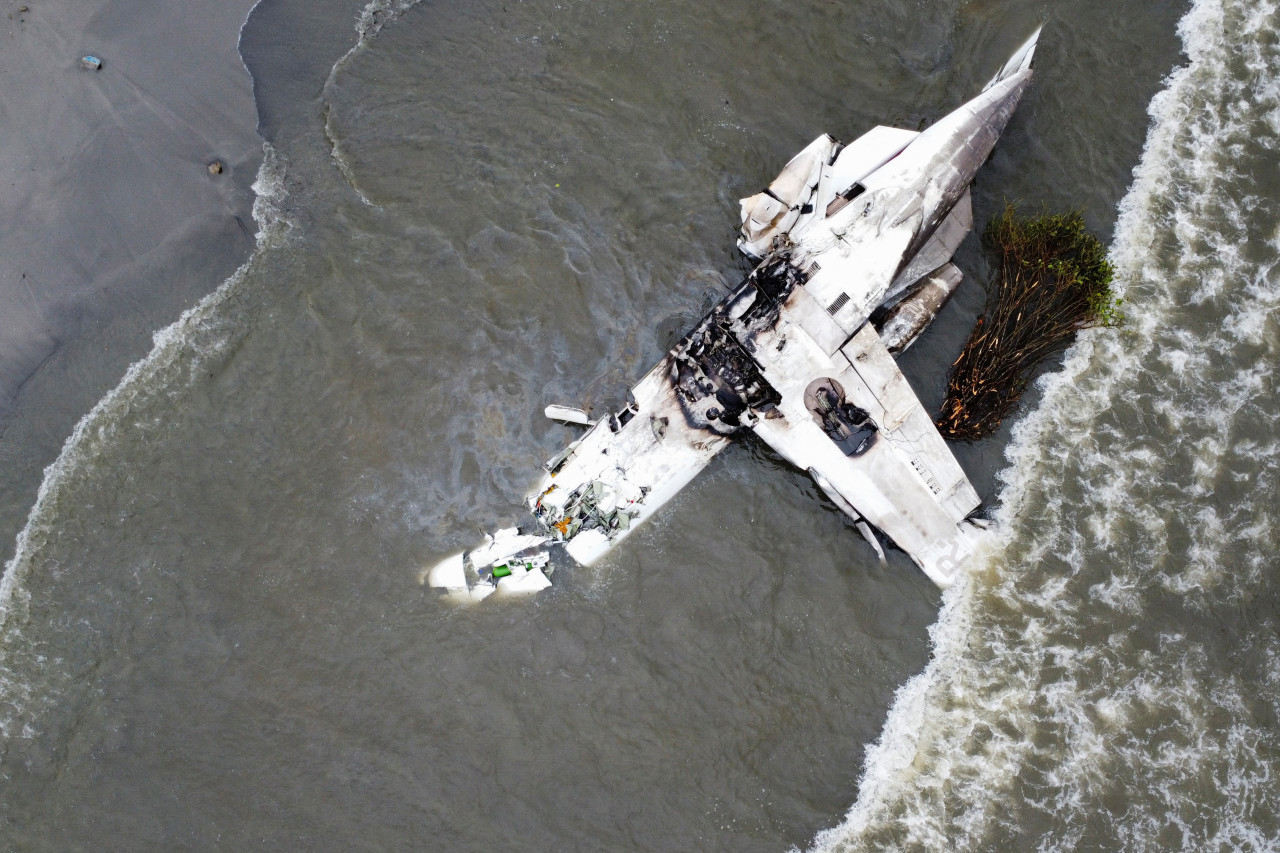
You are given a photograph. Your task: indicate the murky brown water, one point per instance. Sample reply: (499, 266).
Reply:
(217, 637)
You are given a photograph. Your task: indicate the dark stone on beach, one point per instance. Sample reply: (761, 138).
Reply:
(215, 168)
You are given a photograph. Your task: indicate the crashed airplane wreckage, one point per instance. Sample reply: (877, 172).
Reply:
(854, 245)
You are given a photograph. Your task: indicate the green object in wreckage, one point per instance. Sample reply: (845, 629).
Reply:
(501, 571)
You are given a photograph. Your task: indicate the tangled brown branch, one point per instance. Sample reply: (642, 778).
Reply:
(1052, 280)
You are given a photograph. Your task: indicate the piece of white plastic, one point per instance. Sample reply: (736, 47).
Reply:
(481, 591)
(503, 545)
(521, 582)
(588, 546)
(449, 573)
(568, 415)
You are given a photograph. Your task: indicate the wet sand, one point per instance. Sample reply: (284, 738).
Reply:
(110, 221)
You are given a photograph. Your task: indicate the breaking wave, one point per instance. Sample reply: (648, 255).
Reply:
(176, 356)
(1107, 680)
(178, 351)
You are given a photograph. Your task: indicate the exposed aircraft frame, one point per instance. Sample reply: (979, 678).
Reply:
(854, 245)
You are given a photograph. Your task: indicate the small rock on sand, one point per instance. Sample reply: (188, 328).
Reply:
(215, 168)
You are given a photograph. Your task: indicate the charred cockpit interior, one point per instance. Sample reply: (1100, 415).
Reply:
(719, 383)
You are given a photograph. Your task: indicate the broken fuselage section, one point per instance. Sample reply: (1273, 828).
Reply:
(854, 245)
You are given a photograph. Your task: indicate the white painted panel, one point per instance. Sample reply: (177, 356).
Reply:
(872, 362)
(867, 153)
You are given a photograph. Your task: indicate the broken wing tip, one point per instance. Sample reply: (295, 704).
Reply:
(1021, 60)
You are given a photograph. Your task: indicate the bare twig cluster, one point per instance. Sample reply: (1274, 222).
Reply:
(1052, 280)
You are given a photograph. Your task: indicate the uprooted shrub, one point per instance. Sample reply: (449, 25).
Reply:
(1052, 280)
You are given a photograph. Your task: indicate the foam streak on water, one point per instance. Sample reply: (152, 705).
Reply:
(1109, 679)
(373, 17)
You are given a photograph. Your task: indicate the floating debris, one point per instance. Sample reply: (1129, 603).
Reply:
(507, 562)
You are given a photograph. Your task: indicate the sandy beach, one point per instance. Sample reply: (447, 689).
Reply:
(111, 223)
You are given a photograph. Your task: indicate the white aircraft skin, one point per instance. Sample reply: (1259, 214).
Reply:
(855, 244)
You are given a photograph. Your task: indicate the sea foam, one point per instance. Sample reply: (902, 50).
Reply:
(1077, 692)
(176, 354)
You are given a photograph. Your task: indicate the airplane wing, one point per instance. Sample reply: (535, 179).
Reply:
(591, 495)
(852, 421)
(622, 470)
